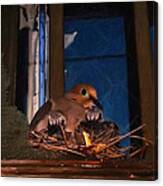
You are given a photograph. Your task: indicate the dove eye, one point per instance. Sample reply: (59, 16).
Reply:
(84, 92)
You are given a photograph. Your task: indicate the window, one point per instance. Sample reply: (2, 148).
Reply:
(97, 56)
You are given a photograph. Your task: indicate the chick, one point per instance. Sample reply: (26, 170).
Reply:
(79, 104)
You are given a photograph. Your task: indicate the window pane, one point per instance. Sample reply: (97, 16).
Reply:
(97, 57)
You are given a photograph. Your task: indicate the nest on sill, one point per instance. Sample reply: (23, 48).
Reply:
(92, 140)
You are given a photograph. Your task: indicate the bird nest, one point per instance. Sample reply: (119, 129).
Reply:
(92, 140)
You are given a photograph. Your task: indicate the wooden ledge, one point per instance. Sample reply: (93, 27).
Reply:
(123, 170)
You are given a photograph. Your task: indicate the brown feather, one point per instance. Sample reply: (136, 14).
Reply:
(41, 113)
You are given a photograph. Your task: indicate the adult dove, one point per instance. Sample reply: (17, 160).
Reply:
(79, 104)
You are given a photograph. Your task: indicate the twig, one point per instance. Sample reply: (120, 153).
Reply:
(116, 155)
(123, 149)
(64, 135)
(104, 136)
(135, 152)
(125, 135)
(141, 138)
(34, 143)
(61, 148)
(100, 134)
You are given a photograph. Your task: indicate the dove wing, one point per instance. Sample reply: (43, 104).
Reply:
(41, 113)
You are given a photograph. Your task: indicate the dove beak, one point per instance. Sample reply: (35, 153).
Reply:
(97, 103)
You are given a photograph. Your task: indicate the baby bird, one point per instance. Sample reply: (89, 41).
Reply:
(77, 105)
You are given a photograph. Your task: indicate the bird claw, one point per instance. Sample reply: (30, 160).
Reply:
(56, 118)
(94, 115)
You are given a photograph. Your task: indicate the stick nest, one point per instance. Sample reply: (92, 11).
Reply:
(92, 140)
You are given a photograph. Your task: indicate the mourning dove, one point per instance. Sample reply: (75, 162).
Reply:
(79, 104)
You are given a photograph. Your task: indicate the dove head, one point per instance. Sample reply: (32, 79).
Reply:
(85, 95)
